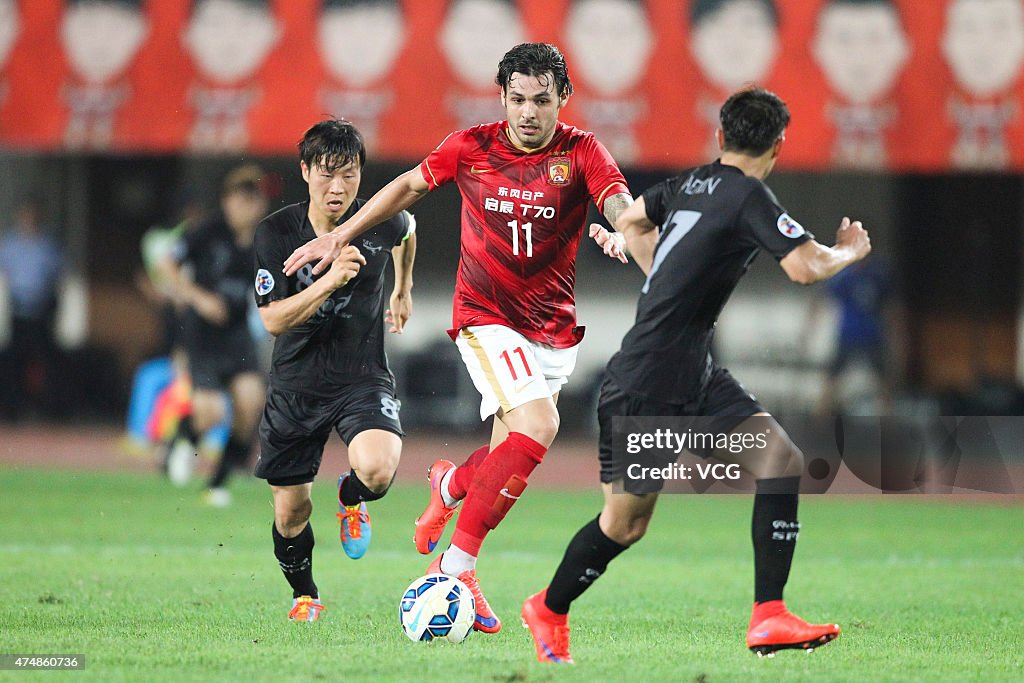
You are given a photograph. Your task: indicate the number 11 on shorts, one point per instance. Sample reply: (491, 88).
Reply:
(511, 368)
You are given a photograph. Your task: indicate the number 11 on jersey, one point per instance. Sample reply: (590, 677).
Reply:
(527, 234)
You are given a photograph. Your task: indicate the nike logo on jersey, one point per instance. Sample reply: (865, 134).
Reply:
(477, 171)
(505, 493)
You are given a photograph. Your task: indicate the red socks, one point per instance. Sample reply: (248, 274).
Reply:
(500, 480)
(462, 477)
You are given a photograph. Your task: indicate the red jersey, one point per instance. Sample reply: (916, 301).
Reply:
(523, 215)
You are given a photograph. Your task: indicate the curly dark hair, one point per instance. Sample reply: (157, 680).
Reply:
(538, 60)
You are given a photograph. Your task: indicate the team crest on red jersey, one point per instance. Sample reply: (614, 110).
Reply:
(559, 168)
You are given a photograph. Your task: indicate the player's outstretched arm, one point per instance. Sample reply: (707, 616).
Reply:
(282, 315)
(640, 234)
(400, 304)
(399, 194)
(185, 292)
(813, 262)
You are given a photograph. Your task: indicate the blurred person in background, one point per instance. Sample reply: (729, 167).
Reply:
(867, 318)
(32, 263)
(161, 388)
(211, 272)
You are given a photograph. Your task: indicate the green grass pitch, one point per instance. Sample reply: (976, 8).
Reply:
(150, 585)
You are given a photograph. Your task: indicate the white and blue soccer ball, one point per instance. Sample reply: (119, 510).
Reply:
(437, 607)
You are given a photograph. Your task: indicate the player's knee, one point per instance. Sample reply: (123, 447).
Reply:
(544, 427)
(796, 461)
(291, 517)
(207, 411)
(379, 475)
(625, 530)
(789, 460)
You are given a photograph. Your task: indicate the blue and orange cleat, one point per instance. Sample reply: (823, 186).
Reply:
(430, 525)
(550, 631)
(355, 526)
(486, 620)
(786, 631)
(305, 608)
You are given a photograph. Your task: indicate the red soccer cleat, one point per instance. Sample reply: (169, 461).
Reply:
(786, 631)
(550, 631)
(430, 525)
(486, 620)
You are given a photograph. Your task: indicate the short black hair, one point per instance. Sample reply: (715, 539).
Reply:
(331, 144)
(753, 119)
(700, 9)
(535, 59)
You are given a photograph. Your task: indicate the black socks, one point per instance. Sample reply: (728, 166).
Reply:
(234, 456)
(585, 559)
(774, 530)
(353, 491)
(295, 555)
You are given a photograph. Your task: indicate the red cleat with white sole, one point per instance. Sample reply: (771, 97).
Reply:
(783, 630)
(550, 631)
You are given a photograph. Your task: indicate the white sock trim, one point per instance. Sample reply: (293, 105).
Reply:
(449, 501)
(455, 560)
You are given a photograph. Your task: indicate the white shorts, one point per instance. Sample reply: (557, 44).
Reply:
(509, 370)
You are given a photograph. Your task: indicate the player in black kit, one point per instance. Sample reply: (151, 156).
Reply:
(703, 228)
(329, 370)
(210, 270)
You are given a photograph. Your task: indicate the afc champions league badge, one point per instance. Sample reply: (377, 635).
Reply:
(559, 170)
(264, 282)
(789, 227)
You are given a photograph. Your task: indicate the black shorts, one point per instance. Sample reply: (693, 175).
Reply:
(295, 427)
(212, 365)
(723, 398)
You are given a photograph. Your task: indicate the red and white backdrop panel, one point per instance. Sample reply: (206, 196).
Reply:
(884, 86)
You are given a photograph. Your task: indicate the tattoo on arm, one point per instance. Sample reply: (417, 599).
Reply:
(615, 205)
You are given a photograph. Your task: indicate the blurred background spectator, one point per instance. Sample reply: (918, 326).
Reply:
(32, 264)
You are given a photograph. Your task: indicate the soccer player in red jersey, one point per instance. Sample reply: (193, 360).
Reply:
(526, 184)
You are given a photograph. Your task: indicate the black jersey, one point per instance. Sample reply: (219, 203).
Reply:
(219, 265)
(713, 221)
(344, 340)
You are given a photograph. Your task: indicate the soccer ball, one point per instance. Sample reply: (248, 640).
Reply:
(437, 607)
